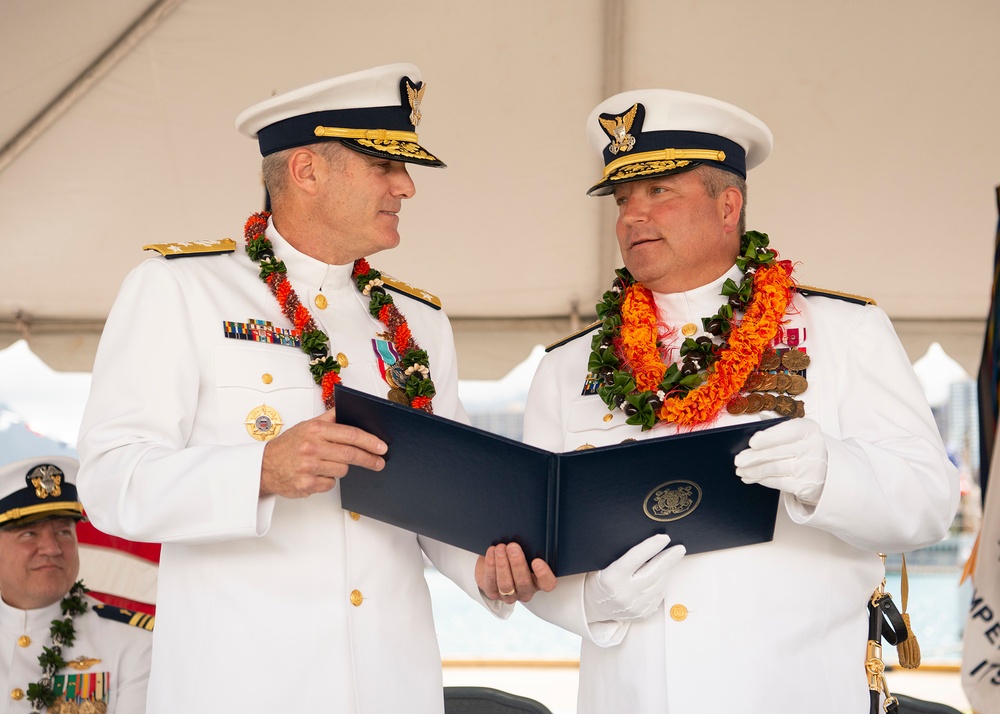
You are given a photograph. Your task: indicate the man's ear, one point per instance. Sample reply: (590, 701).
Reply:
(732, 205)
(303, 165)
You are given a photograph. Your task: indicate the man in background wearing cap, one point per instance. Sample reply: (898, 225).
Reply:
(211, 426)
(99, 664)
(706, 328)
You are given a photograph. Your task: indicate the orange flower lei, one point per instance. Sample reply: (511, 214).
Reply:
(628, 357)
(325, 369)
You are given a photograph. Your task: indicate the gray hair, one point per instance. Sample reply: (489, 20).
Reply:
(716, 180)
(274, 166)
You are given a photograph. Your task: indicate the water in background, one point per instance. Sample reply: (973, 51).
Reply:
(467, 631)
(936, 603)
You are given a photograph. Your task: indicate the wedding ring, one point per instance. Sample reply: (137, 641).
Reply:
(502, 593)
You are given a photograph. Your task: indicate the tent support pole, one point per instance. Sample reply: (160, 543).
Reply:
(37, 126)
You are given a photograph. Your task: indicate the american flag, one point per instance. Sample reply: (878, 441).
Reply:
(119, 572)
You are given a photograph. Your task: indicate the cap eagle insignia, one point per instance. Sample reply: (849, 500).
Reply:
(416, 96)
(47, 480)
(618, 129)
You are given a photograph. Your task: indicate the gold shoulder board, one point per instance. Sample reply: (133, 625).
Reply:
(128, 617)
(808, 290)
(570, 338)
(416, 293)
(196, 247)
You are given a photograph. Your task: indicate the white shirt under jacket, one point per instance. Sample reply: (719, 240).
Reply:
(780, 626)
(114, 667)
(254, 602)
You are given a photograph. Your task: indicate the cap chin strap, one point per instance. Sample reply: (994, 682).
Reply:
(665, 155)
(333, 132)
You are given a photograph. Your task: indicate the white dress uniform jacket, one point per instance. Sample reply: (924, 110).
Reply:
(114, 660)
(779, 626)
(264, 604)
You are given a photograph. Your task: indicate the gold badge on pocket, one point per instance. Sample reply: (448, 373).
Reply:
(263, 423)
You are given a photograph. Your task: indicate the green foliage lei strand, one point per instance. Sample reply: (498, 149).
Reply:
(63, 634)
(698, 356)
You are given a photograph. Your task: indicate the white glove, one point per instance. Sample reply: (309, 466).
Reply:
(634, 585)
(790, 456)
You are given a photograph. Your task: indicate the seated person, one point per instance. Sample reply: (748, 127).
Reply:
(60, 651)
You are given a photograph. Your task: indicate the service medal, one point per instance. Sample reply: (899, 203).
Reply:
(770, 361)
(398, 396)
(737, 405)
(795, 360)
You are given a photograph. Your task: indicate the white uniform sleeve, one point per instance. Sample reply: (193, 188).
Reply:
(890, 486)
(139, 479)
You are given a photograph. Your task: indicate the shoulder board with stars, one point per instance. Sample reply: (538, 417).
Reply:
(119, 614)
(416, 293)
(569, 338)
(808, 290)
(193, 248)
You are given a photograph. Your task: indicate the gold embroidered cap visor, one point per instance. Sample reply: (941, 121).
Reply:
(656, 132)
(36, 489)
(375, 112)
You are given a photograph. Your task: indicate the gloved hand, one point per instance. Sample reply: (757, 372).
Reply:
(634, 585)
(790, 456)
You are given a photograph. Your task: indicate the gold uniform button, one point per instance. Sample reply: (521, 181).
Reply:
(321, 301)
(678, 612)
(609, 417)
(355, 516)
(266, 378)
(356, 597)
(17, 694)
(689, 329)
(23, 641)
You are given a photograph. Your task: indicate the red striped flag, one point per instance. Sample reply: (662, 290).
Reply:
(119, 572)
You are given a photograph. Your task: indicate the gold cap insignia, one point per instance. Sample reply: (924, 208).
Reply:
(47, 480)
(415, 95)
(618, 129)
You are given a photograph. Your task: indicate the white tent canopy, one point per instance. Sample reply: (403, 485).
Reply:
(117, 131)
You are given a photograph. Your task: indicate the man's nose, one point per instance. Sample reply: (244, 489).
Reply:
(403, 185)
(632, 211)
(48, 543)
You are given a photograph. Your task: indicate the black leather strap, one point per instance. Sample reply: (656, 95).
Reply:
(884, 622)
(893, 627)
(875, 619)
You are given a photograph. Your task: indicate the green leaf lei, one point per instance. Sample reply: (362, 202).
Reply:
(698, 356)
(63, 634)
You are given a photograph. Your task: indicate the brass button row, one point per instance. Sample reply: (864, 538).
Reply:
(356, 597)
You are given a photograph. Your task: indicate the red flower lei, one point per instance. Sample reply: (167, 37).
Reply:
(742, 352)
(418, 387)
(628, 357)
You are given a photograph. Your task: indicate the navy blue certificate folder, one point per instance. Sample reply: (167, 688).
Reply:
(579, 511)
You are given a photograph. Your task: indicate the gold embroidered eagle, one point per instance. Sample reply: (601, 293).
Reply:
(619, 128)
(415, 96)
